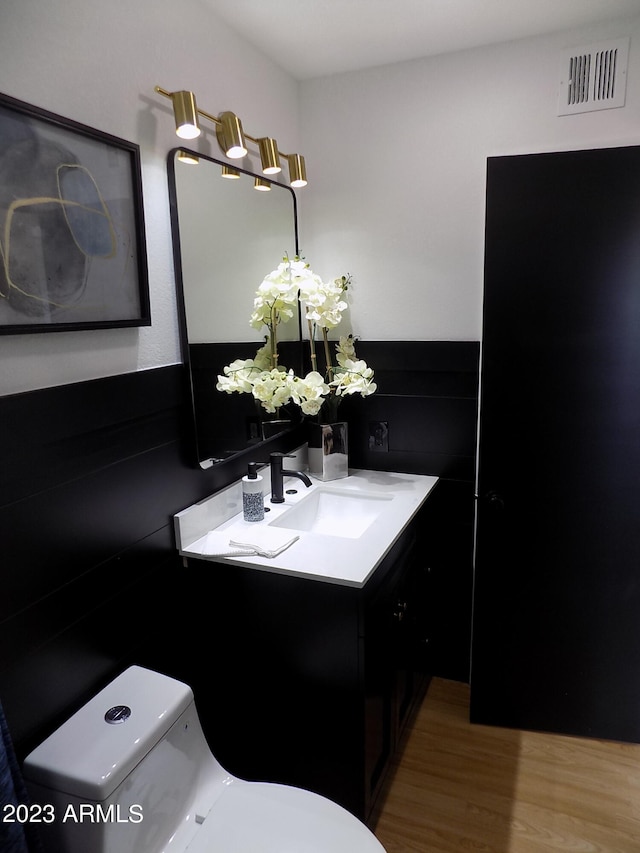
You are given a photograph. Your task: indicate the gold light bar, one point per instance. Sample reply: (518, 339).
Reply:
(231, 136)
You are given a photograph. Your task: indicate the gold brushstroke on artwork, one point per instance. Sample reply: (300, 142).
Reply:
(103, 204)
(5, 249)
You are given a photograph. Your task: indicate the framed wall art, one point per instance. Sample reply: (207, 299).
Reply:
(72, 240)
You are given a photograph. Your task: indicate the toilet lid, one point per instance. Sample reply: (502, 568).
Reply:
(257, 816)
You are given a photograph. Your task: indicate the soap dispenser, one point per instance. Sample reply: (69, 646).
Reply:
(252, 495)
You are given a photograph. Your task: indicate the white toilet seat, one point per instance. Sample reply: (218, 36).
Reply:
(271, 818)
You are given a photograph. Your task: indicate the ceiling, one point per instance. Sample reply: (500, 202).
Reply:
(313, 38)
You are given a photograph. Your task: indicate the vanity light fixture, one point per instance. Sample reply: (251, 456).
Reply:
(188, 157)
(261, 185)
(269, 156)
(297, 170)
(185, 112)
(230, 173)
(232, 137)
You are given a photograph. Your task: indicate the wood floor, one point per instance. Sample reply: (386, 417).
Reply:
(458, 787)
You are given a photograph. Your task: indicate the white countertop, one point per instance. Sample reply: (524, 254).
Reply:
(203, 530)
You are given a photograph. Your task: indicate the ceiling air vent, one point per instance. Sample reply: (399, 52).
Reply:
(593, 77)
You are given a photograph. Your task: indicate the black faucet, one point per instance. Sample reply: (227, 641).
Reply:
(278, 474)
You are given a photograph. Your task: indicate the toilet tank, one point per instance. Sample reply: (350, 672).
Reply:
(130, 772)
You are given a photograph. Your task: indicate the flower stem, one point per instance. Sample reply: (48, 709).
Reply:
(274, 342)
(312, 346)
(327, 353)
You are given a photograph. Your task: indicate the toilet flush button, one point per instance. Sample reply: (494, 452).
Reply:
(118, 714)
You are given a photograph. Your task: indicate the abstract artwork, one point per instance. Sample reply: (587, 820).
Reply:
(72, 241)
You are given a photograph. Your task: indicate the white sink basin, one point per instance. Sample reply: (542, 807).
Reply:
(334, 512)
(336, 532)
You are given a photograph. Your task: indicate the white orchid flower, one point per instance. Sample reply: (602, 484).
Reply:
(309, 393)
(276, 300)
(354, 377)
(324, 302)
(239, 376)
(272, 388)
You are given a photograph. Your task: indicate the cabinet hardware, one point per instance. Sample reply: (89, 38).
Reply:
(399, 612)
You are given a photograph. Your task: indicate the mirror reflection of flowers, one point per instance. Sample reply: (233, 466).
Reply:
(324, 304)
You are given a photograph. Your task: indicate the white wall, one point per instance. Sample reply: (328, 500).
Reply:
(397, 157)
(97, 63)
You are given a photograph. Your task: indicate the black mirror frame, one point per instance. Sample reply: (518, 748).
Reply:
(256, 450)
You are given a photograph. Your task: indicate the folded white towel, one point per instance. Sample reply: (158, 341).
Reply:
(219, 543)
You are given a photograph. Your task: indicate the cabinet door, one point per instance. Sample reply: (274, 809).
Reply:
(395, 657)
(446, 555)
(379, 690)
(410, 607)
(556, 630)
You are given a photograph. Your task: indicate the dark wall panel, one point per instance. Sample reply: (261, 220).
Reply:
(92, 474)
(428, 395)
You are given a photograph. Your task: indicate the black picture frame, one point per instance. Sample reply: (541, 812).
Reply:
(72, 237)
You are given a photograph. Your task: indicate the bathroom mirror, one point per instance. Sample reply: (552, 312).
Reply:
(227, 236)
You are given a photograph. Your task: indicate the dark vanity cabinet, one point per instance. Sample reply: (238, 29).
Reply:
(393, 636)
(311, 683)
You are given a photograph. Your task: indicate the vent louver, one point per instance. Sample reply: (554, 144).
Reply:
(593, 77)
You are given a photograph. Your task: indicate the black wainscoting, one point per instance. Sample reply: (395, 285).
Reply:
(428, 395)
(92, 474)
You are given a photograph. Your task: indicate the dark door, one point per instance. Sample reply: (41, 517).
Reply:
(556, 628)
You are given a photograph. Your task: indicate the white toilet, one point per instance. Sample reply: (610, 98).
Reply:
(131, 772)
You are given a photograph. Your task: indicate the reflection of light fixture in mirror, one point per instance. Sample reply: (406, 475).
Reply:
(230, 173)
(188, 157)
(230, 135)
(269, 156)
(261, 185)
(186, 114)
(232, 138)
(297, 170)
